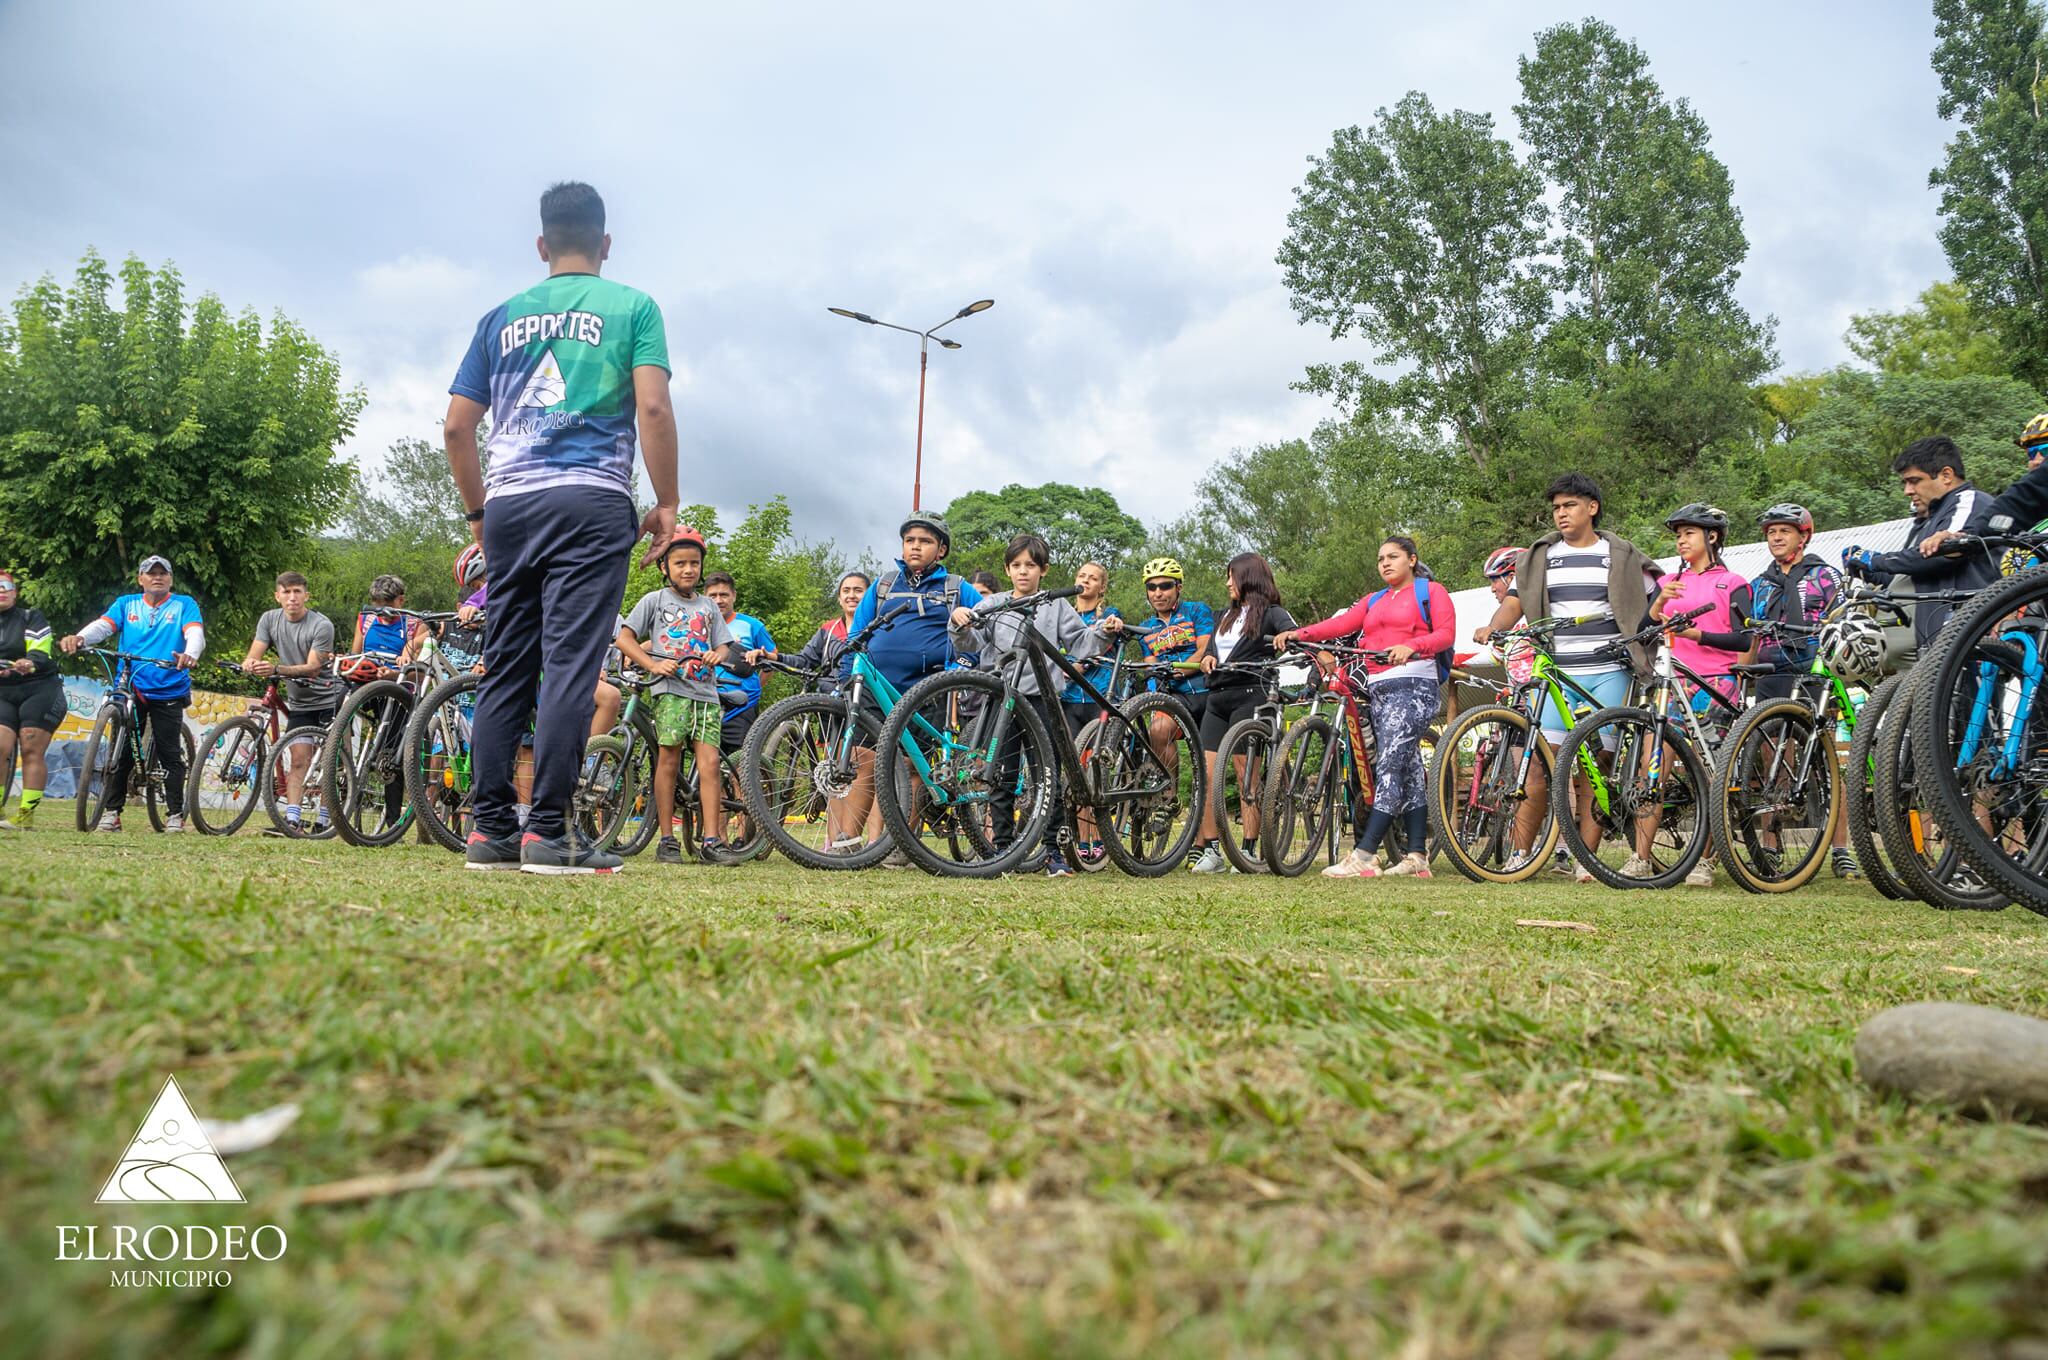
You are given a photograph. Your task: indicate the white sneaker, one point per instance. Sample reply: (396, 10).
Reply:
(1582, 874)
(1357, 864)
(1637, 867)
(174, 822)
(1702, 875)
(1411, 866)
(1211, 862)
(109, 821)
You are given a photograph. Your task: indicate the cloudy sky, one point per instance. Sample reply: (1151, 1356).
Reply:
(1117, 177)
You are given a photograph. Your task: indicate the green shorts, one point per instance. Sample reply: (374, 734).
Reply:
(677, 720)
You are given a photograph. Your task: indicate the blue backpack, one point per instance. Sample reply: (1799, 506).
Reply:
(1443, 658)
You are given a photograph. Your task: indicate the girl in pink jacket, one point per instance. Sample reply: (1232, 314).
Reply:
(1404, 697)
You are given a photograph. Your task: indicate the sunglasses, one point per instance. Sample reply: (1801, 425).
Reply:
(1162, 585)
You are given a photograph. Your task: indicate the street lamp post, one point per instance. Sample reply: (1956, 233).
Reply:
(924, 339)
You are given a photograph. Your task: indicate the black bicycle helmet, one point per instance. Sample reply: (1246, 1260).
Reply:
(1700, 516)
(925, 519)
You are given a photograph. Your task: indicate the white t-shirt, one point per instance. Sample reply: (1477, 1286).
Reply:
(1223, 644)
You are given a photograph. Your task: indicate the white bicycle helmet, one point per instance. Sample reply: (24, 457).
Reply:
(1853, 645)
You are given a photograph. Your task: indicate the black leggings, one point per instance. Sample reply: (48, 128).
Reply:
(166, 721)
(1002, 797)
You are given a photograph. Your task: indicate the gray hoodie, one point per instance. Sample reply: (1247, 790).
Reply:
(1000, 640)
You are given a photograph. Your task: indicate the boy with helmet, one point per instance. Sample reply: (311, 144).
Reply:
(921, 639)
(686, 639)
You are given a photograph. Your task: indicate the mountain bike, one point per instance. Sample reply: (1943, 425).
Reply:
(117, 726)
(250, 757)
(366, 747)
(1128, 674)
(1486, 819)
(1243, 760)
(968, 737)
(1975, 757)
(1649, 771)
(808, 768)
(1319, 779)
(1782, 794)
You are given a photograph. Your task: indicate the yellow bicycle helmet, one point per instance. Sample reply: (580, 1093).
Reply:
(1166, 567)
(2035, 433)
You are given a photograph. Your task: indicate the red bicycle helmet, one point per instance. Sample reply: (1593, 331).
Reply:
(469, 567)
(360, 668)
(1501, 562)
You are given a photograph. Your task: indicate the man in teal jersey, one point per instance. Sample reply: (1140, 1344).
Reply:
(570, 371)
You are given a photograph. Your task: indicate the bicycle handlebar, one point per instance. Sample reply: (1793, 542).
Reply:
(1027, 603)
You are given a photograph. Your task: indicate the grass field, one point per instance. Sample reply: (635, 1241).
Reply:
(762, 1111)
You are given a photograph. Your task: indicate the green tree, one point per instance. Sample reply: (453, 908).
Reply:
(407, 523)
(1317, 510)
(1649, 241)
(154, 427)
(1079, 524)
(1940, 336)
(1421, 236)
(1992, 60)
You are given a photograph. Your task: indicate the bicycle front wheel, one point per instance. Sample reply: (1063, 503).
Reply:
(225, 783)
(365, 759)
(437, 772)
(1913, 818)
(942, 759)
(1859, 789)
(1486, 822)
(1235, 787)
(96, 772)
(1647, 790)
(300, 749)
(1300, 803)
(1775, 807)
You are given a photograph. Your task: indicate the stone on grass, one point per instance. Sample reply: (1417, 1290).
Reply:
(1972, 1056)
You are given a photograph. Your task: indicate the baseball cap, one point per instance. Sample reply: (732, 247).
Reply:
(152, 562)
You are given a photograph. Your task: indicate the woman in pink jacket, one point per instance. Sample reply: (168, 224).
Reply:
(1404, 697)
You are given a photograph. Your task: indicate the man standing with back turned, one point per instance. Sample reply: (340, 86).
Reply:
(564, 369)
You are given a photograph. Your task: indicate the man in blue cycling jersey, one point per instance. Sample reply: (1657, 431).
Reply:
(168, 629)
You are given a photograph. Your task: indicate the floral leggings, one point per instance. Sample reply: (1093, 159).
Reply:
(1401, 710)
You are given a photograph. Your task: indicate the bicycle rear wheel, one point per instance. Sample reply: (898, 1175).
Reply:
(808, 775)
(938, 757)
(1152, 767)
(1660, 794)
(1234, 794)
(1873, 853)
(365, 759)
(1478, 793)
(604, 791)
(225, 783)
(1298, 812)
(1108, 822)
(156, 785)
(1775, 807)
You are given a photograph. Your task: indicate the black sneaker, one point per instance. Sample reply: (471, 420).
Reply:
(558, 855)
(669, 851)
(713, 851)
(482, 852)
(1844, 865)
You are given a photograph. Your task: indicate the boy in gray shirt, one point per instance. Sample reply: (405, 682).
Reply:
(686, 640)
(1000, 641)
(304, 642)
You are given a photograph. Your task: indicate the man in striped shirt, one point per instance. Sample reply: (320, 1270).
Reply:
(1606, 585)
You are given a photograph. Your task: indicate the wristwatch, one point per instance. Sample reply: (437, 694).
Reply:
(473, 515)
